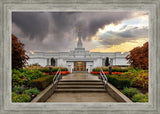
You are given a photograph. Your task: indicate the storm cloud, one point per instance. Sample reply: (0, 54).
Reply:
(57, 31)
(116, 38)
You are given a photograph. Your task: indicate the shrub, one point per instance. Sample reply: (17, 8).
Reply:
(97, 69)
(140, 98)
(119, 82)
(24, 76)
(64, 69)
(18, 89)
(119, 70)
(130, 92)
(14, 94)
(44, 69)
(43, 82)
(32, 91)
(54, 69)
(21, 98)
(138, 77)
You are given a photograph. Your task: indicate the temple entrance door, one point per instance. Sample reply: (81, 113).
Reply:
(80, 66)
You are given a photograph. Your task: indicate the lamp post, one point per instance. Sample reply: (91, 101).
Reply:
(50, 70)
(110, 70)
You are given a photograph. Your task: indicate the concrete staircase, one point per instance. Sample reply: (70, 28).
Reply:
(80, 86)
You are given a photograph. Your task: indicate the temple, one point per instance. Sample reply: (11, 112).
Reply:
(78, 59)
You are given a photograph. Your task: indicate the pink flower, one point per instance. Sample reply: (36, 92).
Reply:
(24, 79)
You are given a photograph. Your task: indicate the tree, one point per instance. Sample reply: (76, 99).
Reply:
(19, 58)
(138, 57)
(107, 61)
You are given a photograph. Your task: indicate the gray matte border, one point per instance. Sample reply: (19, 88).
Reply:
(8, 6)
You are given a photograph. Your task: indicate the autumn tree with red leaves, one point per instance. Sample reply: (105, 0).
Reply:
(19, 57)
(138, 57)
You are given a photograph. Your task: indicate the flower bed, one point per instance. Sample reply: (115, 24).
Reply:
(62, 73)
(106, 72)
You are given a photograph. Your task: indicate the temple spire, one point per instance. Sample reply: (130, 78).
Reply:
(79, 44)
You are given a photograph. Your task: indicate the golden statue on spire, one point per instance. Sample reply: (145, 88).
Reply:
(79, 27)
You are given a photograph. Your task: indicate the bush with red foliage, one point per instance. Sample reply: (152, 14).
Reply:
(138, 57)
(19, 57)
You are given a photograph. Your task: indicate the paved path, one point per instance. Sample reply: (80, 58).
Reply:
(80, 76)
(80, 96)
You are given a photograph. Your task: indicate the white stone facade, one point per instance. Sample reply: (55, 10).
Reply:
(78, 59)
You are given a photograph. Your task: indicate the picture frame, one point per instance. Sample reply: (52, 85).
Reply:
(8, 6)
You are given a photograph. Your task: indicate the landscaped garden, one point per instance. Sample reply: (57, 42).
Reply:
(29, 81)
(131, 82)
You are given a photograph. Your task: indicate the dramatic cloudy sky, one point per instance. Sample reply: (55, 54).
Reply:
(101, 31)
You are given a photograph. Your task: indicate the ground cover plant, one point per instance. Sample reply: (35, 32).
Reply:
(21, 98)
(140, 97)
(32, 92)
(130, 92)
(20, 92)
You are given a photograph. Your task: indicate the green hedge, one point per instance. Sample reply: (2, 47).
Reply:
(119, 82)
(54, 69)
(42, 83)
(97, 69)
(119, 70)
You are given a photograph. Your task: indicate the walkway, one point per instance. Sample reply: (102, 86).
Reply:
(80, 76)
(80, 80)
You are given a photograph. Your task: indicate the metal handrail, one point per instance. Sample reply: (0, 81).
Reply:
(57, 76)
(103, 76)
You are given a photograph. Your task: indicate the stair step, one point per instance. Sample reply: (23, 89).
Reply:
(80, 86)
(80, 90)
(80, 83)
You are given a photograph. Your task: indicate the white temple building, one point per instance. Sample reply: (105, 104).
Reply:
(78, 59)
